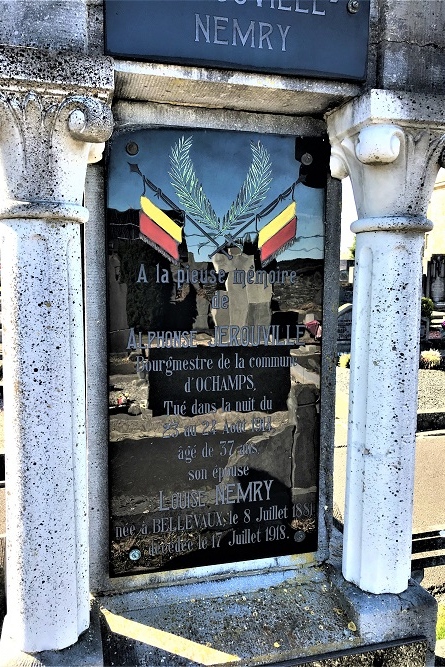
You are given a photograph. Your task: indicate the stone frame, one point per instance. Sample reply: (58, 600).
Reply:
(135, 114)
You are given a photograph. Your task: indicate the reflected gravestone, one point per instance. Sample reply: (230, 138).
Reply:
(217, 245)
(344, 328)
(424, 328)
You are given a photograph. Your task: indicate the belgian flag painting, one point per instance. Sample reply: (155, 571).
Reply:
(278, 234)
(159, 231)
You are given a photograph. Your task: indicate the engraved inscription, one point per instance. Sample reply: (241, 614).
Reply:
(280, 36)
(214, 351)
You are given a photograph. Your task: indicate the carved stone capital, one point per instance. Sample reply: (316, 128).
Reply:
(391, 151)
(49, 130)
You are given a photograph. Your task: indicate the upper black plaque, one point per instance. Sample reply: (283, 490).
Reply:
(317, 38)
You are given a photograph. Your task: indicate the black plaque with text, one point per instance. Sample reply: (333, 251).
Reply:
(321, 38)
(215, 276)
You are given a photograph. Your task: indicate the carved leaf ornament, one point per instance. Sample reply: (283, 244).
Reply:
(47, 141)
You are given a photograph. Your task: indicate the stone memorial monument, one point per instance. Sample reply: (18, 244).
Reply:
(170, 328)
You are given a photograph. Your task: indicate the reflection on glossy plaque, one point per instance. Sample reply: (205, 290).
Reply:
(215, 276)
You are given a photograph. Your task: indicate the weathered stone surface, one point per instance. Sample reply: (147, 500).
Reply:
(258, 625)
(50, 138)
(95, 26)
(87, 652)
(42, 71)
(412, 45)
(304, 398)
(408, 655)
(59, 24)
(134, 409)
(391, 155)
(54, 108)
(387, 617)
(48, 127)
(300, 621)
(248, 304)
(211, 88)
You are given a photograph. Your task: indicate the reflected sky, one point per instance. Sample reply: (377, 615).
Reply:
(221, 160)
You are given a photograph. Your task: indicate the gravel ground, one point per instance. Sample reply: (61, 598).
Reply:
(431, 392)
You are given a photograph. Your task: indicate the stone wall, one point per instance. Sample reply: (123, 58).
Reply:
(411, 47)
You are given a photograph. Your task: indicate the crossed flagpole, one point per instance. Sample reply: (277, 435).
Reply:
(255, 219)
(161, 195)
(161, 230)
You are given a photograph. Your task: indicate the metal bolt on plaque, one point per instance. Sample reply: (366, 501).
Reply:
(353, 6)
(132, 148)
(306, 159)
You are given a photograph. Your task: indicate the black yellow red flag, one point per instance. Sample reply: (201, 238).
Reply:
(278, 234)
(160, 231)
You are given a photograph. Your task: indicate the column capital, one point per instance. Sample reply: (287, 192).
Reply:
(391, 144)
(54, 114)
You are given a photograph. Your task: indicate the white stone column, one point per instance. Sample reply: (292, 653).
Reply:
(391, 147)
(50, 127)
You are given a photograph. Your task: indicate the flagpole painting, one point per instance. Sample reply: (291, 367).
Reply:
(159, 230)
(278, 234)
(257, 194)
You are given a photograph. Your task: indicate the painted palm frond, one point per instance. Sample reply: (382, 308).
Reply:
(254, 189)
(188, 189)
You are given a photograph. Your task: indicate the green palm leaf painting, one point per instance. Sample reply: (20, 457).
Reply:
(253, 191)
(187, 186)
(195, 202)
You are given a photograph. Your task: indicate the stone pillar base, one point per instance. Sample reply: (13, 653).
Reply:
(386, 617)
(86, 652)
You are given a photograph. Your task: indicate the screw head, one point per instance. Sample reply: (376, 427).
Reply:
(299, 536)
(134, 554)
(353, 6)
(132, 148)
(306, 159)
